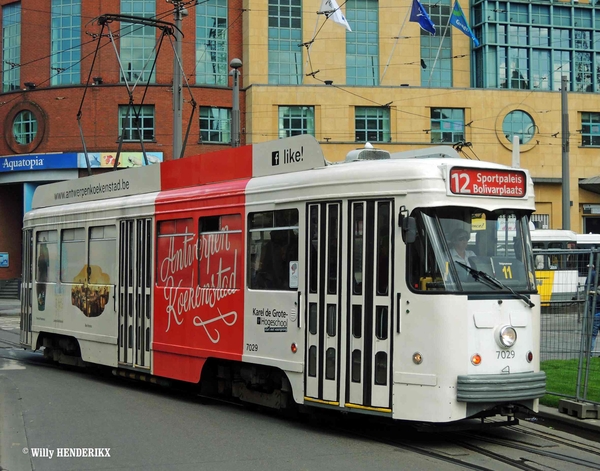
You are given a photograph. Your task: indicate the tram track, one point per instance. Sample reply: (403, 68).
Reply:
(484, 451)
(521, 464)
(408, 445)
(559, 440)
(9, 343)
(5, 344)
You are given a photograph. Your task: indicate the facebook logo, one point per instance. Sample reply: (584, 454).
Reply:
(275, 158)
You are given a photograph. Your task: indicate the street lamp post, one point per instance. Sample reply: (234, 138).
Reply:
(235, 64)
(179, 12)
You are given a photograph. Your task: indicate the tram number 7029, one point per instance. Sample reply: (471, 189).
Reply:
(505, 354)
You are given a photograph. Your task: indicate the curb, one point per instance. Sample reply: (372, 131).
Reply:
(551, 414)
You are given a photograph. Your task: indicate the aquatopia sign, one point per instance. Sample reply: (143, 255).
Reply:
(38, 162)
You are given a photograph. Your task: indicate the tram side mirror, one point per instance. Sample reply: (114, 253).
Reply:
(408, 225)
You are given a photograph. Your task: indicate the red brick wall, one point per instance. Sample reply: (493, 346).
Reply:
(11, 222)
(99, 111)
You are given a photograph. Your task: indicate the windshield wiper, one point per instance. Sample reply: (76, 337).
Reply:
(483, 276)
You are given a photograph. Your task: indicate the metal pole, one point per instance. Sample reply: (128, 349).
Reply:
(177, 95)
(516, 152)
(566, 189)
(235, 102)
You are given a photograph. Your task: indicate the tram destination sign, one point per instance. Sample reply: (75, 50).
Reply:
(488, 182)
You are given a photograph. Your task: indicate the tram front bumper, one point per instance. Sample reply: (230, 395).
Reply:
(508, 388)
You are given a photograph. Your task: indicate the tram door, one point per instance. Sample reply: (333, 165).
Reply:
(323, 302)
(369, 339)
(26, 287)
(134, 292)
(355, 321)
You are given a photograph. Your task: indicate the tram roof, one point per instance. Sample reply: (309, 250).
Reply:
(424, 178)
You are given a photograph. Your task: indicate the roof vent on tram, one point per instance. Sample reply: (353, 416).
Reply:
(367, 153)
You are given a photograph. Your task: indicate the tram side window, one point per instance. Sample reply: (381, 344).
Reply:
(72, 254)
(383, 248)
(47, 257)
(424, 273)
(273, 250)
(176, 253)
(46, 264)
(220, 251)
(99, 273)
(102, 256)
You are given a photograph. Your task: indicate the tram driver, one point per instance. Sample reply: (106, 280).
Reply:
(459, 240)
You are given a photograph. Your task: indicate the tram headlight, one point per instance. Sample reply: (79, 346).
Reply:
(507, 336)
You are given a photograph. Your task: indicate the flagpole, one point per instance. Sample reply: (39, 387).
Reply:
(439, 49)
(394, 47)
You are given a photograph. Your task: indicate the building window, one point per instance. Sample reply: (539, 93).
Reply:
(436, 51)
(540, 69)
(65, 42)
(447, 125)
(136, 122)
(211, 42)
(215, 125)
(137, 42)
(590, 129)
(362, 44)
(285, 36)
(25, 127)
(295, 120)
(514, 72)
(582, 64)
(563, 59)
(518, 123)
(541, 221)
(11, 47)
(372, 124)
(531, 47)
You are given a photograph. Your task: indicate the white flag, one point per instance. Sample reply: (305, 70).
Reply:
(332, 10)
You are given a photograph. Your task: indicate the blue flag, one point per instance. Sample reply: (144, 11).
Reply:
(419, 15)
(458, 20)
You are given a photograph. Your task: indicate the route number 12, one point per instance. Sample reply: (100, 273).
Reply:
(457, 179)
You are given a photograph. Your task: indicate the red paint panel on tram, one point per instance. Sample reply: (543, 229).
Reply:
(200, 278)
(225, 165)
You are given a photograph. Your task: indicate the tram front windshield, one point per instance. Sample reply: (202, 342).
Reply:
(470, 250)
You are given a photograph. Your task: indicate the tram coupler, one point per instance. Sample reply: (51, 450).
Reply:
(508, 411)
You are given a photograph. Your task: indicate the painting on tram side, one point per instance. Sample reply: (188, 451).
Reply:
(91, 290)
(199, 278)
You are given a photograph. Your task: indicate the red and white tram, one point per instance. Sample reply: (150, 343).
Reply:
(266, 273)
